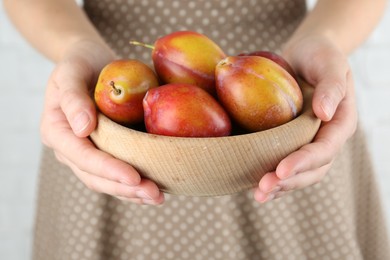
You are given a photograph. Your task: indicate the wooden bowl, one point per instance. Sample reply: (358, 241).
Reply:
(207, 166)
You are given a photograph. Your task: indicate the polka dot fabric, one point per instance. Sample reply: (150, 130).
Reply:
(236, 26)
(339, 218)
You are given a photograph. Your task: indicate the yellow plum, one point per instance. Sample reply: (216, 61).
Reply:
(186, 57)
(257, 93)
(120, 89)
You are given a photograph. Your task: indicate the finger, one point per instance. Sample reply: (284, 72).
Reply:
(280, 194)
(283, 187)
(330, 138)
(81, 152)
(304, 179)
(139, 201)
(262, 196)
(268, 185)
(146, 190)
(57, 134)
(269, 182)
(271, 196)
(331, 88)
(132, 200)
(74, 96)
(311, 156)
(327, 69)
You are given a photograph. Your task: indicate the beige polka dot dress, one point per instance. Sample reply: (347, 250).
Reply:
(339, 218)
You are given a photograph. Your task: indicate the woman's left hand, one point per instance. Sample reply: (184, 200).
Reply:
(323, 65)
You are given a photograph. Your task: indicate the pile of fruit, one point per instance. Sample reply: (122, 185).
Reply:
(196, 90)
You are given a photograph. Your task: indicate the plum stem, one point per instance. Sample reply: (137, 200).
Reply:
(142, 44)
(116, 91)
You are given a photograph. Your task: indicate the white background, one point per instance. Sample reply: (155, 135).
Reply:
(23, 74)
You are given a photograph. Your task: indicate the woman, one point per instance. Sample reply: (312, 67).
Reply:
(333, 219)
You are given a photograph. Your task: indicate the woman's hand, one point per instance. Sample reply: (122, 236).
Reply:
(69, 117)
(322, 64)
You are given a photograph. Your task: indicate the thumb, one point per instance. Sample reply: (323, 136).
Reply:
(330, 84)
(323, 65)
(79, 109)
(75, 101)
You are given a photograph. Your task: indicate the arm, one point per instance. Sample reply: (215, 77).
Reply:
(52, 26)
(347, 23)
(61, 31)
(318, 52)
(336, 28)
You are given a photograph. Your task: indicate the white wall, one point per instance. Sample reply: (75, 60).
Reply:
(23, 74)
(22, 78)
(371, 69)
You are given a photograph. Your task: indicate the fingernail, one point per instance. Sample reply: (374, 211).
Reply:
(142, 194)
(290, 174)
(81, 122)
(269, 197)
(129, 183)
(150, 202)
(275, 189)
(327, 106)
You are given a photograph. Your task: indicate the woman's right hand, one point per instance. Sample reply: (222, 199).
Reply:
(69, 117)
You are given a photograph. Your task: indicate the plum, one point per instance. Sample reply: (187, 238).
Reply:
(257, 93)
(120, 89)
(184, 110)
(186, 57)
